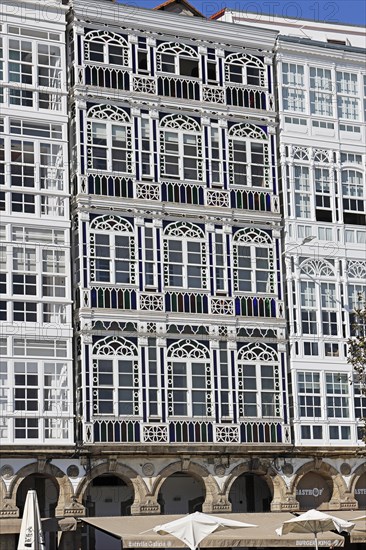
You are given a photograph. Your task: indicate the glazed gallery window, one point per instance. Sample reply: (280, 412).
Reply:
(347, 96)
(258, 382)
(189, 380)
(106, 47)
(319, 300)
(302, 191)
(245, 70)
(253, 262)
(321, 92)
(185, 261)
(353, 191)
(178, 59)
(30, 63)
(309, 395)
(112, 251)
(293, 90)
(248, 156)
(337, 391)
(181, 148)
(116, 378)
(109, 139)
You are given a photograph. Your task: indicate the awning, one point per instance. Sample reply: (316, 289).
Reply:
(132, 532)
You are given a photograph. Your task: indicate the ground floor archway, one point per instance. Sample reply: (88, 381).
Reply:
(250, 493)
(181, 493)
(106, 495)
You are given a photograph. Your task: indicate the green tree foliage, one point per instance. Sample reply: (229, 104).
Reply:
(357, 350)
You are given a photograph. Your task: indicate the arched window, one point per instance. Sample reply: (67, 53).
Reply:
(319, 309)
(248, 156)
(185, 256)
(189, 380)
(116, 378)
(112, 251)
(253, 262)
(106, 47)
(245, 69)
(178, 59)
(181, 148)
(258, 382)
(109, 139)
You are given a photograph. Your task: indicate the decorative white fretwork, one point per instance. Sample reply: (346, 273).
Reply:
(115, 345)
(257, 352)
(188, 349)
(111, 223)
(356, 269)
(109, 112)
(180, 122)
(249, 235)
(317, 268)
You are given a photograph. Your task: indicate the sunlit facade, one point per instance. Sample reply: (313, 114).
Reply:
(182, 248)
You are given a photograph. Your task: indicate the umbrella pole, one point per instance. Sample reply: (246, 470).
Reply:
(316, 541)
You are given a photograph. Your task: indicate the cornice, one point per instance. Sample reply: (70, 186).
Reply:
(118, 15)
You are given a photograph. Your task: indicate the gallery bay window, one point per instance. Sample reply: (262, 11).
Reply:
(309, 398)
(293, 89)
(189, 379)
(181, 148)
(248, 156)
(116, 378)
(253, 262)
(337, 392)
(106, 47)
(302, 191)
(245, 70)
(318, 298)
(109, 140)
(112, 251)
(354, 195)
(177, 59)
(184, 253)
(347, 96)
(321, 96)
(258, 382)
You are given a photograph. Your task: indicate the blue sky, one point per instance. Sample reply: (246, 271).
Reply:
(336, 11)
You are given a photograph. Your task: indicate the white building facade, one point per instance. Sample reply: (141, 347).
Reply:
(162, 377)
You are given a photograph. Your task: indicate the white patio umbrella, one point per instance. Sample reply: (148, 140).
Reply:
(360, 522)
(314, 522)
(193, 528)
(31, 535)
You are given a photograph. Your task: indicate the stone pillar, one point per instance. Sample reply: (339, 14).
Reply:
(69, 534)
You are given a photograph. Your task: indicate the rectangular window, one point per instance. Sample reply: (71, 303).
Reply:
(150, 257)
(293, 91)
(337, 395)
(220, 261)
(25, 312)
(49, 66)
(22, 203)
(309, 397)
(24, 98)
(347, 96)
(302, 191)
(22, 168)
(146, 148)
(51, 167)
(20, 61)
(26, 388)
(56, 396)
(321, 99)
(26, 428)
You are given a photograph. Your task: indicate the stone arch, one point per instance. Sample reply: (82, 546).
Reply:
(125, 473)
(359, 472)
(276, 485)
(340, 493)
(197, 471)
(60, 478)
